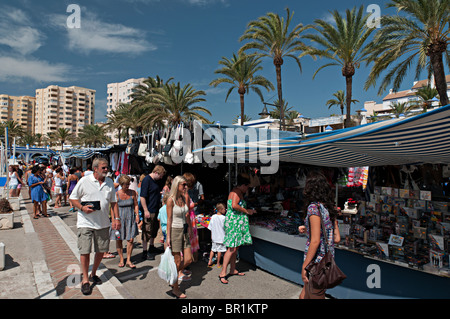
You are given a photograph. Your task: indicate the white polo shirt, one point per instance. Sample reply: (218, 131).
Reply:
(88, 188)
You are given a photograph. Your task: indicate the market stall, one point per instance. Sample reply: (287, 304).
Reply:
(395, 229)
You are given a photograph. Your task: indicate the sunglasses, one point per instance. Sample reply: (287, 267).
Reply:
(184, 184)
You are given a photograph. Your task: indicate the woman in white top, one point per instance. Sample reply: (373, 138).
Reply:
(178, 229)
(13, 181)
(59, 177)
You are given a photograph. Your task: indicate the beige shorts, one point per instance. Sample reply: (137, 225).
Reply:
(179, 240)
(87, 236)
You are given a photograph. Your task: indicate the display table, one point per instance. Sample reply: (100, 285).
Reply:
(282, 255)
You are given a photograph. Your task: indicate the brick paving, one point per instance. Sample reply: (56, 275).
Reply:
(58, 256)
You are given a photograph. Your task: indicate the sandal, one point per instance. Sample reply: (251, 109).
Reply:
(108, 255)
(180, 296)
(237, 274)
(223, 278)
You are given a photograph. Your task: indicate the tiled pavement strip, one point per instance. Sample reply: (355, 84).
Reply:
(59, 244)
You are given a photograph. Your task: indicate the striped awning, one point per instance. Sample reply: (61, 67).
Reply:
(420, 139)
(82, 153)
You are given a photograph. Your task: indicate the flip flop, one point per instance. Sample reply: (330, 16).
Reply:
(109, 256)
(121, 265)
(223, 278)
(132, 266)
(237, 274)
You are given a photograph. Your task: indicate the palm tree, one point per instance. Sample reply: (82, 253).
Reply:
(240, 72)
(343, 42)
(49, 138)
(339, 100)
(239, 117)
(15, 130)
(426, 94)
(28, 138)
(93, 136)
(270, 37)
(399, 108)
(38, 139)
(176, 104)
(116, 119)
(422, 35)
(62, 134)
(276, 111)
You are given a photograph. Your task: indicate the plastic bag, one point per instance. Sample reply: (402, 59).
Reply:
(167, 269)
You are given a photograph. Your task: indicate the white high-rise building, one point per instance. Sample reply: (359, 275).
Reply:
(121, 92)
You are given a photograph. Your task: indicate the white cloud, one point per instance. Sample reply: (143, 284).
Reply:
(98, 36)
(13, 69)
(17, 32)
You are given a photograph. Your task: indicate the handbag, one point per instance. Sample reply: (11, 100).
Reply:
(325, 274)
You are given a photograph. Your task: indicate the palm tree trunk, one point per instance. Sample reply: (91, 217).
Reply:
(241, 95)
(439, 77)
(348, 81)
(280, 93)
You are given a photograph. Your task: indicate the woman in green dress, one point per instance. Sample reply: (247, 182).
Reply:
(237, 232)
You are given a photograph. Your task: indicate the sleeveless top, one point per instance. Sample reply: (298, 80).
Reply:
(179, 215)
(13, 179)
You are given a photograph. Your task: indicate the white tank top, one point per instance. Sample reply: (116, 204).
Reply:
(13, 178)
(179, 215)
(57, 181)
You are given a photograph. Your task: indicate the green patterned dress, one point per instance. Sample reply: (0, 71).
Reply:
(237, 231)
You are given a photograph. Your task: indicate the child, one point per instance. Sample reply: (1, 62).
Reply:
(216, 226)
(162, 217)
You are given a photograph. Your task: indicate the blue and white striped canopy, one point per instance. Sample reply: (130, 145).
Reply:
(420, 139)
(82, 153)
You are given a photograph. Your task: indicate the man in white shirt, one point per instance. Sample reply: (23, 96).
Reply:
(94, 225)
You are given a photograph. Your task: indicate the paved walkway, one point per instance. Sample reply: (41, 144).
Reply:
(42, 262)
(50, 253)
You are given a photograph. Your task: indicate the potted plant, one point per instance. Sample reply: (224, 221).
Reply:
(6, 214)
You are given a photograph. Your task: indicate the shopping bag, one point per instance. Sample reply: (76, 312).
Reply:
(167, 269)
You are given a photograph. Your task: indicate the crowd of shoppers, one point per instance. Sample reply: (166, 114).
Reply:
(120, 210)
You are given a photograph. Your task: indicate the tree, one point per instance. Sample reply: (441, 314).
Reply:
(343, 42)
(426, 94)
(176, 104)
(270, 37)
(62, 134)
(15, 130)
(339, 100)
(93, 136)
(399, 108)
(422, 36)
(239, 117)
(117, 119)
(239, 72)
(276, 112)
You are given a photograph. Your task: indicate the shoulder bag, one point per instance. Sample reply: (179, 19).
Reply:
(325, 274)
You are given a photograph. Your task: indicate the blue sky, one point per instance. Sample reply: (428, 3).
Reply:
(183, 39)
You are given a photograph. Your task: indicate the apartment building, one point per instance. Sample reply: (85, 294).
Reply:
(64, 107)
(19, 109)
(402, 96)
(121, 92)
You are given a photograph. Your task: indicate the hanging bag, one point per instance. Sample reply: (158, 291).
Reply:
(167, 269)
(143, 148)
(325, 274)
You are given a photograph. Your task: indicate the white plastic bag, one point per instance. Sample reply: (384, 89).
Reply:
(167, 269)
